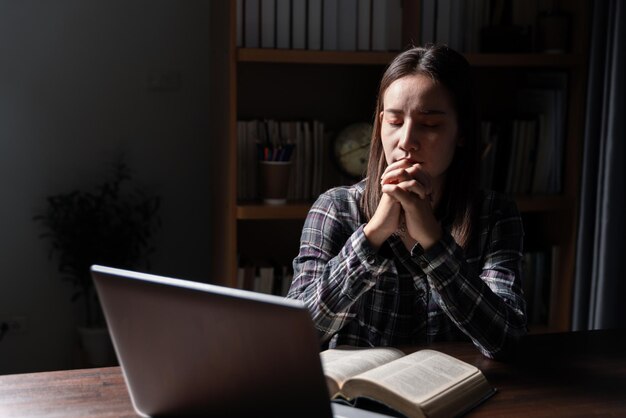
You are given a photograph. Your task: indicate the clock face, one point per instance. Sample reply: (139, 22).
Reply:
(352, 147)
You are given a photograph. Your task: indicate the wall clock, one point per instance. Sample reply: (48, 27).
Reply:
(351, 149)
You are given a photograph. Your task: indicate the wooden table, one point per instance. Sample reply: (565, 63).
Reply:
(552, 375)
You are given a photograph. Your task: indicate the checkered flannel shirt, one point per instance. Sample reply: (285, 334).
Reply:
(392, 297)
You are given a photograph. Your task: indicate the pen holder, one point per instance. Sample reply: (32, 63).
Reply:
(274, 181)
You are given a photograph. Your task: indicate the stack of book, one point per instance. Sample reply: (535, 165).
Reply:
(525, 155)
(308, 151)
(332, 25)
(265, 279)
(479, 25)
(539, 272)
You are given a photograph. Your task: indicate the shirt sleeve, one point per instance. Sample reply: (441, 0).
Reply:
(489, 306)
(334, 267)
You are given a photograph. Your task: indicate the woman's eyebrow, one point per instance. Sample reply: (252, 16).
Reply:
(419, 111)
(431, 112)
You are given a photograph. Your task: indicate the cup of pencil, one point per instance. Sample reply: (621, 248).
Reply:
(274, 167)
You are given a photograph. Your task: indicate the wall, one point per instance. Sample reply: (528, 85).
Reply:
(79, 85)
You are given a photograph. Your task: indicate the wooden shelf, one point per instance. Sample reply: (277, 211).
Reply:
(258, 210)
(293, 56)
(551, 220)
(544, 203)
(299, 210)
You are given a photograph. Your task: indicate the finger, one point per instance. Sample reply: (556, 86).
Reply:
(415, 187)
(395, 176)
(417, 172)
(404, 163)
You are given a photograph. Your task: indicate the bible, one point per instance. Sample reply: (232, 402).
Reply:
(426, 383)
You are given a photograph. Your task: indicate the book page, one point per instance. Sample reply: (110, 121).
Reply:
(421, 375)
(340, 364)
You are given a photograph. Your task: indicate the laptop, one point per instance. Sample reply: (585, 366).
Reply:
(189, 348)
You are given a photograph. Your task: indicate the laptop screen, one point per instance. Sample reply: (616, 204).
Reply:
(194, 348)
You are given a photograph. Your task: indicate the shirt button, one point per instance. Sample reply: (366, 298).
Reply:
(371, 259)
(423, 264)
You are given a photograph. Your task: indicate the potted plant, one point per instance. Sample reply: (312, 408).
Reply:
(112, 225)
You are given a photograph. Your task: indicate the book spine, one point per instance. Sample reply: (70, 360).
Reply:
(268, 23)
(329, 25)
(283, 24)
(239, 23)
(347, 25)
(364, 25)
(298, 24)
(314, 37)
(251, 21)
(428, 22)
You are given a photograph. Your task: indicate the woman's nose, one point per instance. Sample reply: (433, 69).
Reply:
(409, 140)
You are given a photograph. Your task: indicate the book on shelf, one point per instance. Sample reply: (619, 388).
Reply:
(539, 275)
(306, 181)
(378, 25)
(314, 25)
(530, 148)
(329, 25)
(265, 279)
(427, 21)
(252, 9)
(549, 105)
(522, 156)
(268, 23)
(347, 16)
(489, 141)
(451, 23)
(386, 25)
(239, 23)
(298, 24)
(283, 24)
(442, 22)
(364, 25)
(424, 383)
(344, 25)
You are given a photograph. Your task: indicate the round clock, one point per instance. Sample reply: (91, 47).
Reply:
(352, 148)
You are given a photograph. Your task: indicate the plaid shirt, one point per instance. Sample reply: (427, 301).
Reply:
(393, 297)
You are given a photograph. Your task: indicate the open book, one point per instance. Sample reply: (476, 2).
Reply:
(424, 383)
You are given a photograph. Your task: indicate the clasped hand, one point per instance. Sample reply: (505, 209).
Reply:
(407, 191)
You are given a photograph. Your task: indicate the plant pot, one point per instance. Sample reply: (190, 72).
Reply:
(97, 345)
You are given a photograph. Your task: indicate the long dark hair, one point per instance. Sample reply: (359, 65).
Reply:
(450, 69)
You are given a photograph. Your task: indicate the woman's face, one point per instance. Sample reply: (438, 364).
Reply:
(419, 123)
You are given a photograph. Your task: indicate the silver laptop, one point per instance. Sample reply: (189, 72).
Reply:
(188, 348)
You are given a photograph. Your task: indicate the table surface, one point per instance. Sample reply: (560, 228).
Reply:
(552, 375)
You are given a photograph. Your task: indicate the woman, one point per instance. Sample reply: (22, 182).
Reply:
(415, 253)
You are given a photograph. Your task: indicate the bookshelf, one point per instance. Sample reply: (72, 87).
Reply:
(284, 75)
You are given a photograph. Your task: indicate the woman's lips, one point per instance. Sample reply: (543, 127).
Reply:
(410, 161)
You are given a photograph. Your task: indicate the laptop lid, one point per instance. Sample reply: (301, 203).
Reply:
(193, 348)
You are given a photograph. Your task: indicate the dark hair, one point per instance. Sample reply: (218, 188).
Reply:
(450, 69)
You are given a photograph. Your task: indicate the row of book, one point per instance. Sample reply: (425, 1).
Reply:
(377, 25)
(479, 25)
(266, 279)
(539, 272)
(331, 25)
(308, 158)
(539, 269)
(525, 155)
